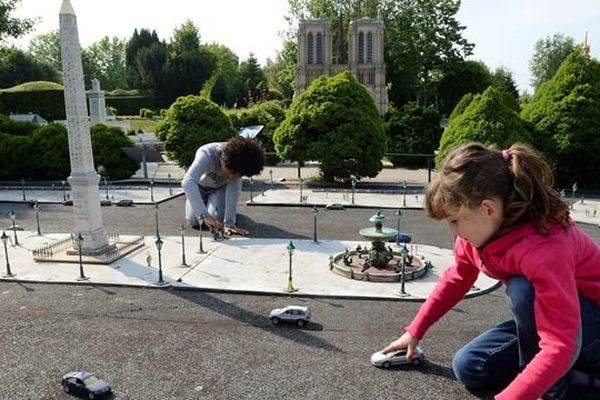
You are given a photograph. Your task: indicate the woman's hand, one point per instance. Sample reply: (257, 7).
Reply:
(406, 341)
(233, 230)
(210, 223)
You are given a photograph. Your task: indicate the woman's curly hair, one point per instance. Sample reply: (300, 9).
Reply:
(244, 156)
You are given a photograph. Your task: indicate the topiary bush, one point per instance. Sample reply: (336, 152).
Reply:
(107, 144)
(486, 119)
(267, 113)
(52, 142)
(335, 121)
(416, 129)
(565, 111)
(189, 123)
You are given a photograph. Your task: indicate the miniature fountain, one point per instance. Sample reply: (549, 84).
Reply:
(380, 263)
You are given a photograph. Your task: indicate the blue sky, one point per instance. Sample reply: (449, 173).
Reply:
(504, 31)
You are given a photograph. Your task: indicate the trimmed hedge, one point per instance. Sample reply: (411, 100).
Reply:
(50, 104)
(129, 105)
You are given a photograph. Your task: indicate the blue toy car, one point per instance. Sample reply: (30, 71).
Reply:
(85, 384)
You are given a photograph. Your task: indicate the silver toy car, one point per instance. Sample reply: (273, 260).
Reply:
(379, 359)
(299, 315)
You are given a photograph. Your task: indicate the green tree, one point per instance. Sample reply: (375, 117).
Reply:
(11, 26)
(17, 67)
(107, 56)
(252, 77)
(107, 144)
(280, 74)
(502, 78)
(187, 68)
(565, 112)
(145, 56)
(486, 119)
(46, 48)
(548, 55)
(461, 78)
(225, 85)
(416, 129)
(52, 142)
(189, 123)
(334, 121)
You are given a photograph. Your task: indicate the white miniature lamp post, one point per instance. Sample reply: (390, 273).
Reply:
(353, 188)
(290, 286)
(404, 252)
(159, 244)
(182, 231)
(301, 197)
(315, 211)
(398, 216)
(79, 241)
(169, 183)
(12, 216)
(404, 193)
(152, 190)
(156, 219)
(36, 207)
(4, 239)
(573, 194)
(23, 186)
(251, 190)
(271, 176)
(63, 183)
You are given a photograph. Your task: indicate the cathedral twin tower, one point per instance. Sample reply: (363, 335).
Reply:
(365, 56)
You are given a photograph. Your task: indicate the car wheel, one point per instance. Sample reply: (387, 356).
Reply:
(66, 388)
(387, 364)
(416, 361)
(274, 320)
(300, 323)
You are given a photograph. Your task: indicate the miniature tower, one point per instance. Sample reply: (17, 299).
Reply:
(84, 179)
(585, 47)
(97, 104)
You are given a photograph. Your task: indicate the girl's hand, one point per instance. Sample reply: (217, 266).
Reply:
(232, 230)
(406, 341)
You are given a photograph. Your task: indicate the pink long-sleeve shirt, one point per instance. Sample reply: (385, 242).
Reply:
(560, 265)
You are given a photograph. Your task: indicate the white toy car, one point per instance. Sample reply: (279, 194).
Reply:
(299, 315)
(396, 358)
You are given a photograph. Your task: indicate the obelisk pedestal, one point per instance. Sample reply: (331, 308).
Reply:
(84, 179)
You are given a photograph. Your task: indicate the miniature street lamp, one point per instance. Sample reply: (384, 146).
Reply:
(169, 183)
(159, 244)
(63, 190)
(79, 241)
(156, 219)
(290, 286)
(23, 186)
(4, 239)
(106, 186)
(182, 231)
(36, 207)
(152, 190)
(12, 216)
(301, 190)
(404, 193)
(404, 252)
(353, 188)
(398, 215)
(251, 193)
(271, 175)
(315, 211)
(573, 195)
(200, 240)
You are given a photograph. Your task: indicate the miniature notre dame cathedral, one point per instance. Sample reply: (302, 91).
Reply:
(365, 56)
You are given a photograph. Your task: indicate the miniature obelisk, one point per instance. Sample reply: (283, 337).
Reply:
(83, 179)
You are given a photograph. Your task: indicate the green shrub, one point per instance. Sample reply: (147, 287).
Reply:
(416, 129)
(146, 113)
(22, 99)
(334, 121)
(130, 105)
(17, 128)
(52, 141)
(189, 123)
(486, 119)
(107, 144)
(565, 111)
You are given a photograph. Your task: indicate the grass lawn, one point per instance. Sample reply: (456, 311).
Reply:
(137, 123)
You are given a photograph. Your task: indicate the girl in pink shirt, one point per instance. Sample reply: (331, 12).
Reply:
(512, 225)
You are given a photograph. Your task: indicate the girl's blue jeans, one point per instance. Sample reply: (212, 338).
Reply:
(493, 359)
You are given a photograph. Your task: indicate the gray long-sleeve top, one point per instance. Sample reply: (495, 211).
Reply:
(206, 172)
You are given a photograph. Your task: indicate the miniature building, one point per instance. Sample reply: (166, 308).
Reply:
(30, 117)
(365, 56)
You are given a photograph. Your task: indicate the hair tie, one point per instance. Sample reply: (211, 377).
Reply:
(505, 154)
